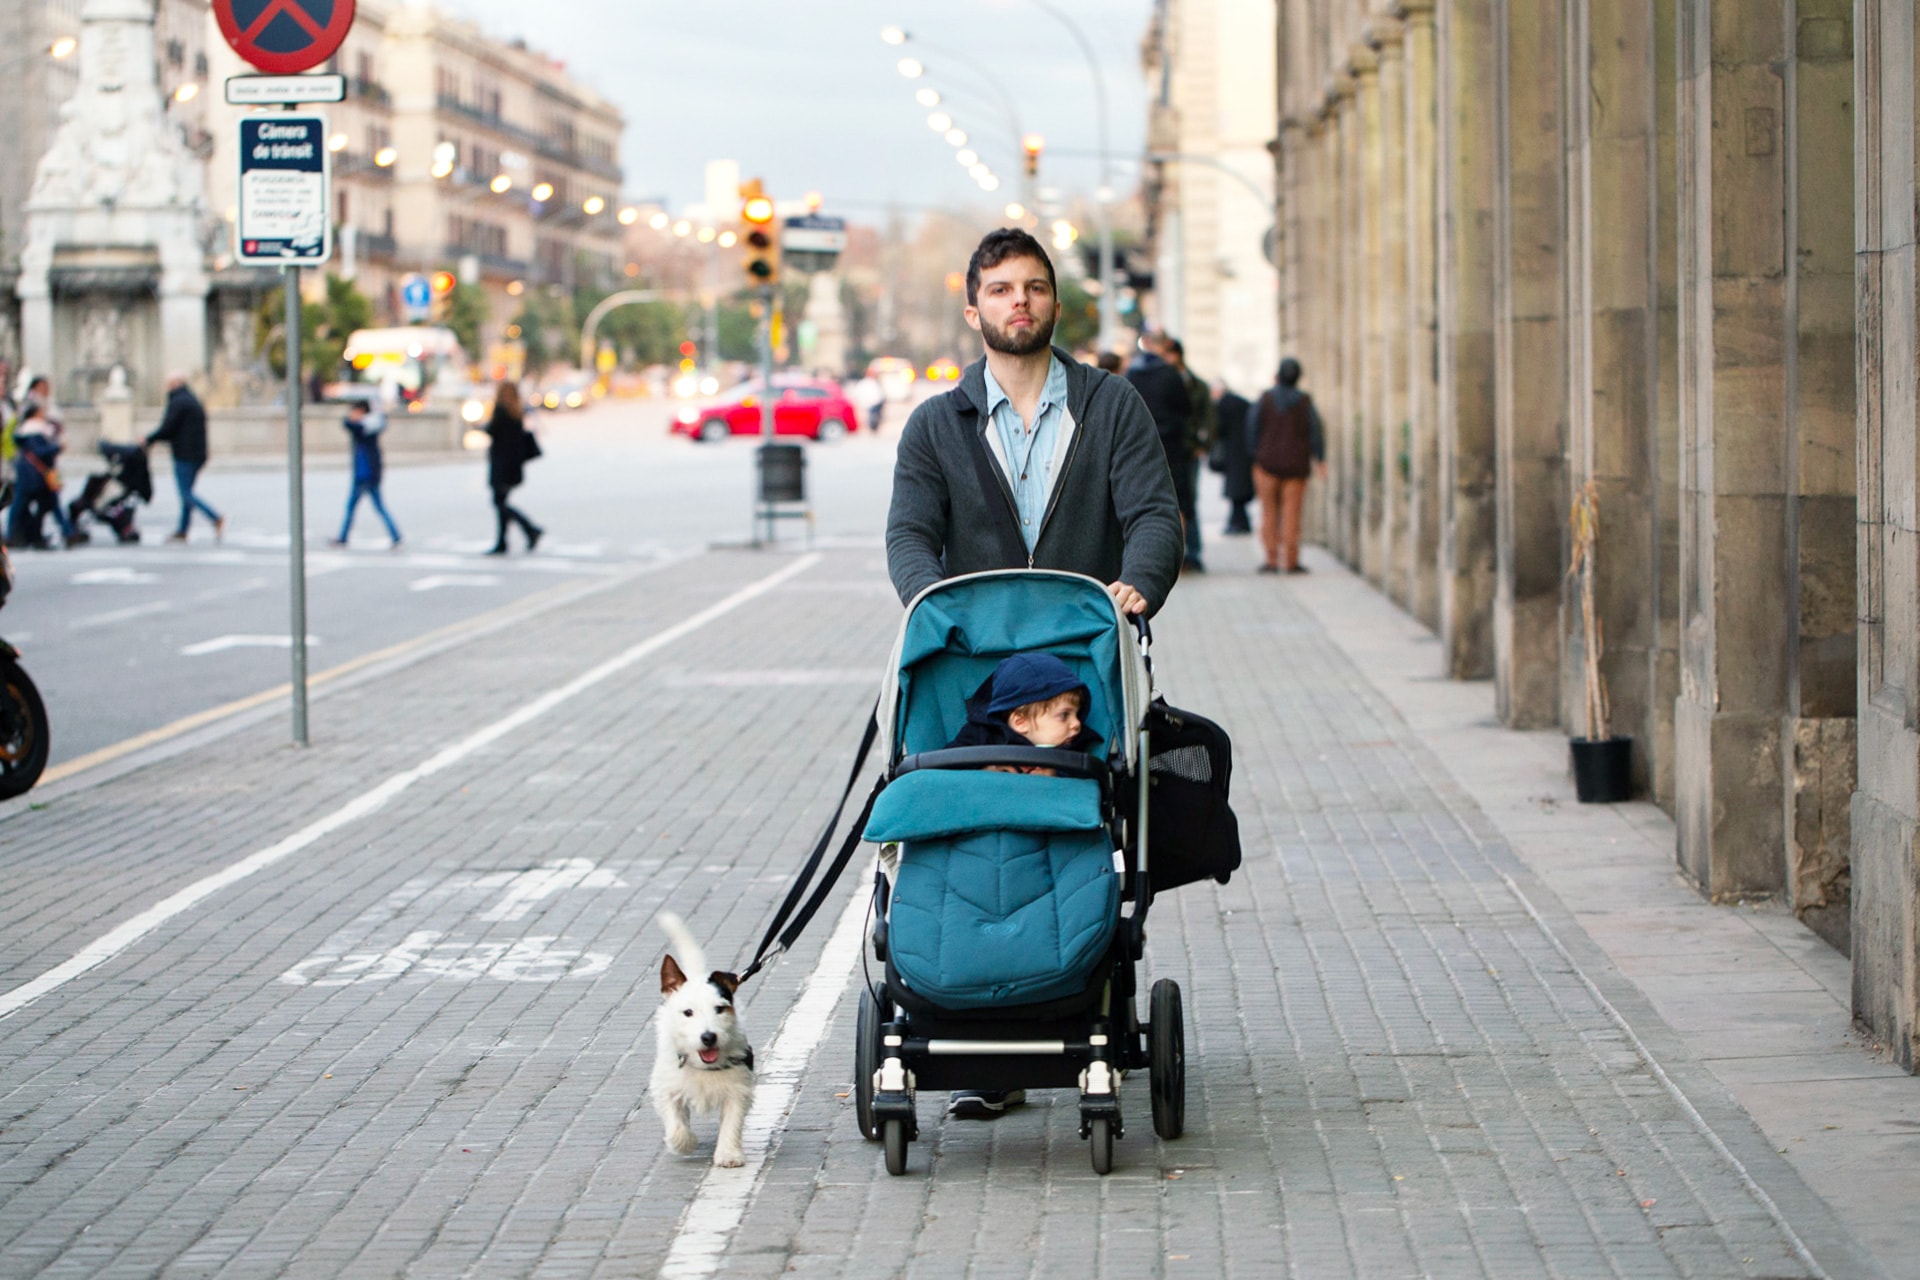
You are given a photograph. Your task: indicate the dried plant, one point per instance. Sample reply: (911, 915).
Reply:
(1585, 523)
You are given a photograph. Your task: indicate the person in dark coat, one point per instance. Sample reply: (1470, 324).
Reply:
(1291, 443)
(507, 451)
(1200, 429)
(184, 429)
(1233, 446)
(1165, 392)
(364, 424)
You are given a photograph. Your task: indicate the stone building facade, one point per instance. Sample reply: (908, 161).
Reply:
(445, 140)
(1212, 181)
(1662, 252)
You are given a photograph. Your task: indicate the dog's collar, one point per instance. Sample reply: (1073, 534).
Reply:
(738, 1060)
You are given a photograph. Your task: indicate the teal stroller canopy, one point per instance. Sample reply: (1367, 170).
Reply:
(958, 630)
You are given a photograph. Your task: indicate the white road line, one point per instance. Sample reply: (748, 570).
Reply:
(120, 615)
(720, 1203)
(117, 940)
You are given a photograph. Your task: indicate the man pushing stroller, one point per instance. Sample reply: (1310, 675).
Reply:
(1033, 460)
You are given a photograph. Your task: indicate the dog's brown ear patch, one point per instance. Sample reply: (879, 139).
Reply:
(727, 982)
(671, 977)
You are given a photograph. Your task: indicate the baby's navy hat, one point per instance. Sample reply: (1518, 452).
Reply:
(1027, 678)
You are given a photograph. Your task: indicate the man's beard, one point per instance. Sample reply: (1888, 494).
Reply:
(1007, 344)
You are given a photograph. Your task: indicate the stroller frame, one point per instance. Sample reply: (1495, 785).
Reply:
(1088, 1041)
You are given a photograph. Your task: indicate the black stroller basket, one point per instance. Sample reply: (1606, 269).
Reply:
(132, 480)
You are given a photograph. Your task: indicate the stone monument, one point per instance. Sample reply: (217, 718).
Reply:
(113, 272)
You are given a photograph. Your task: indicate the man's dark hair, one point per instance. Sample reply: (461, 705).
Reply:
(1289, 372)
(995, 248)
(1174, 345)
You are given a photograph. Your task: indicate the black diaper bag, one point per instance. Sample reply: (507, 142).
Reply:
(1192, 834)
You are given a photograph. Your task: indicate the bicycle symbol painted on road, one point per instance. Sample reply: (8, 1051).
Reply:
(423, 955)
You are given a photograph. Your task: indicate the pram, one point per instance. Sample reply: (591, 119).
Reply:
(1010, 936)
(126, 468)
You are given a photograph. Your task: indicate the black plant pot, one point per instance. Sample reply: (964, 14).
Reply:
(1603, 770)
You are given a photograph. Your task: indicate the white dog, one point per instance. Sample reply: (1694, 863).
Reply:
(704, 1062)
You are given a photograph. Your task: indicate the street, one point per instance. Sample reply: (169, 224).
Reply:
(125, 640)
(382, 1007)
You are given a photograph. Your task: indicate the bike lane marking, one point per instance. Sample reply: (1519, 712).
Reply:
(720, 1201)
(119, 939)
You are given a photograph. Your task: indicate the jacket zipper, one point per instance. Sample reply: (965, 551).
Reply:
(1059, 481)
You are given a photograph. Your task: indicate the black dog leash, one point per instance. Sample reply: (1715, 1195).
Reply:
(785, 930)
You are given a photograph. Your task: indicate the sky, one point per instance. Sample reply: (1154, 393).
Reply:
(807, 96)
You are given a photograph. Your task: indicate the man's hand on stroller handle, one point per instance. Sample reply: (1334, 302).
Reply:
(1129, 600)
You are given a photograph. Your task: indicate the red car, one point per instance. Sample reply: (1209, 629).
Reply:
(801, 407)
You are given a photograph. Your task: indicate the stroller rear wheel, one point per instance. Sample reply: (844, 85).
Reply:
(1167, 1059)
(866, 1061)
(895, 1138)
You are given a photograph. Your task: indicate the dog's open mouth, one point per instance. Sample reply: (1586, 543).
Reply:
(709, 1056)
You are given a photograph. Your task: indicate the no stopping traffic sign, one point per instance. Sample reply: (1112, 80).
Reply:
(284, 36)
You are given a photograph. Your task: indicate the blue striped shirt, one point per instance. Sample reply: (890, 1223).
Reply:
(1029, 453)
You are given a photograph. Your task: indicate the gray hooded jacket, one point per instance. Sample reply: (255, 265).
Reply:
(1112, 513)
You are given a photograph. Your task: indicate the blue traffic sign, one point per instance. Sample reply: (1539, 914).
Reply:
(283, 206)
(416, 297)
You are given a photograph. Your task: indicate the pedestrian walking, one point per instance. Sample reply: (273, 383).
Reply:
(1200, 432)
(36, 482)
(1290, 446)
(1165, 393)
(1232, 457)
(363, 424)
(509, 448)
(1034, 460)
(871, 398)
(183, 428)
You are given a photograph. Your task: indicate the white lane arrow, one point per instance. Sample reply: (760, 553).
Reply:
(524, 888)
(221, 643)
(433, 582)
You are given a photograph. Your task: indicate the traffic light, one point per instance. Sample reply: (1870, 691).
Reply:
(762, 260)
(1033, 144)
(442, 282)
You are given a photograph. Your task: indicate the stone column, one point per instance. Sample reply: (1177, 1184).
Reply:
(1346, 439)
(1370, 230)
(1528, 363)
(1390, 324)
(1614, 181)
(1886, 807)
(1421, 131)
(1465, 52)
(1818, 733)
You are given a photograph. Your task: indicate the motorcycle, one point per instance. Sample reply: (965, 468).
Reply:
(23, 716)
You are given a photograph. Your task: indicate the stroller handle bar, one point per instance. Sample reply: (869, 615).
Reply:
(1071, 764)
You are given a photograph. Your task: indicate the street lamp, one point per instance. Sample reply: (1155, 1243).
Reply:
(59, 49)
(1108, 323)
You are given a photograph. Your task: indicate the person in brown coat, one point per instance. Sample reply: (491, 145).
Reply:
(1289, 444)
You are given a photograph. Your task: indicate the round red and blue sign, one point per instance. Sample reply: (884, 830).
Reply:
(284, 37)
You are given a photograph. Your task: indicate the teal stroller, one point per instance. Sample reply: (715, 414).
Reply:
(1008, 940)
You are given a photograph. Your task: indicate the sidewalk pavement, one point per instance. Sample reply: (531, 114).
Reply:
(413, 1038)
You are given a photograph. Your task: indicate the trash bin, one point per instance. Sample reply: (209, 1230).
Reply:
(783, 473)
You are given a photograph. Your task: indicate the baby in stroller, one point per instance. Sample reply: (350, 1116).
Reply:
(1014, 920)
(127, 470)
(1031, 699)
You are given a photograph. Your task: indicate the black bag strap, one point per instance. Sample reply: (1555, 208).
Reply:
(767, 949)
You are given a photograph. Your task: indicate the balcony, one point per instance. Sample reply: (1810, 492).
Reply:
(370, 91)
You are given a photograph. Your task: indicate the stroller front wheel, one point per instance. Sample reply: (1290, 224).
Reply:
(895, 1139)
(1100, 1137)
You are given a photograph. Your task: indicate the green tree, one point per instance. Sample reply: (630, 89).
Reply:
(468, 309)
(325, 327)
(651, 331)
(1079, 323)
